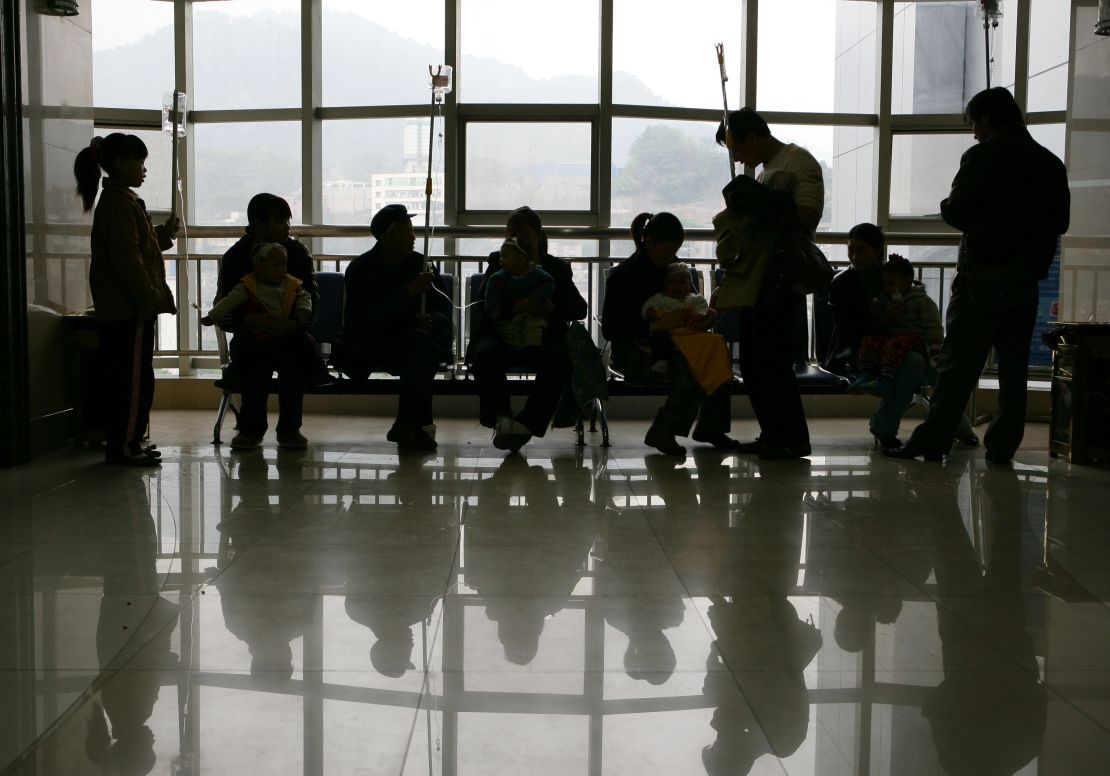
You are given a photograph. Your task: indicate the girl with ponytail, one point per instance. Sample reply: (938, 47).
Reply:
(127, 277)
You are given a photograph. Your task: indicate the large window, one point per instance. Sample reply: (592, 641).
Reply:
(590, 111)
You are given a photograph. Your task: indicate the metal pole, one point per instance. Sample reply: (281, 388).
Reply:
(173, 156)
(987, 47)
(724, 98)
(428, 184)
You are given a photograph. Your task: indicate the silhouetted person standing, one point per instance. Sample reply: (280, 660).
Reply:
(1010, 199)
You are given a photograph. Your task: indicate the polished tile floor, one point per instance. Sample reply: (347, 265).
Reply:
(344, 610)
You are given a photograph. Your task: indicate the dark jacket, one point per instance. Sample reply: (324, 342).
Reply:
(127, 275)
(236, 264)
(379, 307)
(1010, 199)
(630, 284)
(850, 298)
(567, 300)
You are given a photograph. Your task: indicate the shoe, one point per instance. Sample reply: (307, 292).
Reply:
(149, 452)
(882, 388)
(751, 448)
(663, 442)
(784, 452)
(131, 459)
(862, 384)
(294, 441)
(908, 451)
(321, 380)
(886, 443)
(243, 441)
(971, 439)
(719, 440)
(510, 434)
(997, 459)
(410, 438)
(661, 367)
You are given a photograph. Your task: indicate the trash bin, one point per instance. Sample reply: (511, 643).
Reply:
(1080, 428)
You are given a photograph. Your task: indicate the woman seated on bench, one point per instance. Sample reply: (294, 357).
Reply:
(490, 357)
(855, 316)
(253, 361)
(631, 283)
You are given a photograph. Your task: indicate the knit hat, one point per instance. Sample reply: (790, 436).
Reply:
(513, 244)
(677, 268)
(262, 250)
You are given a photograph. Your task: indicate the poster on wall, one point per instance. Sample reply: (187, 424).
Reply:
(1048, 311)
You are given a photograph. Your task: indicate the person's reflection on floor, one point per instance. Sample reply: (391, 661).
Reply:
(762, 645)
(987, 719)
(862, 556)
(395, 583)
(532, 541)
(134, 633)
(266, 621)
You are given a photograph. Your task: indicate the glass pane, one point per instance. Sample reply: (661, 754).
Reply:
(852, 189)
(839, 72)
(940, 58)
(1049, 41)
(132, 53)
(401, 39)
(819, 142)
(548, 53)
(667, 165)
(156, 191)
(247, 54)
(1051, 136)
(543, 165)
(922, 170)
(236, 161)
(688, 75)
(374, 162)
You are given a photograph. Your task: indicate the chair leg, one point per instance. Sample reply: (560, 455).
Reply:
(604, 423)
(225, 400)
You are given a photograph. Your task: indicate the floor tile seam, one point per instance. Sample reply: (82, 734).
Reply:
(1104, 727)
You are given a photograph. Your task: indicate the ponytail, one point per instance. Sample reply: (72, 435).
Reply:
(658, 227)
(103, 154)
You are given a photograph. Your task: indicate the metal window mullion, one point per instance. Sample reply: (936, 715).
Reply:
(749, 29)
(884, 148)
(312, 185)
(1021, 55)
(603, 135)
(453, 141)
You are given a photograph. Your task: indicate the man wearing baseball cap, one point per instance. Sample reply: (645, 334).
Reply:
(384, 328)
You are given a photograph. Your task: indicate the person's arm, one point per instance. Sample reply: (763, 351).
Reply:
(232, 269)
(302, 267)
(302, 311)
(566, 298)
(543, 285)
(620, 315)
(224, 307)
(495, 295)
(969, 191)
(809, 195)
(934, 329)
(165, 233)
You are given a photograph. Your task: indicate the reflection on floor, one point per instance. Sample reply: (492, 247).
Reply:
(344, 610)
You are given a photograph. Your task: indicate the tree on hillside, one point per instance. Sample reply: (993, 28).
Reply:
(669, 163)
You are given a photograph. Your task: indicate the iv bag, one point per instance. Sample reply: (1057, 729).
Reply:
(441, 80)
(167, 113)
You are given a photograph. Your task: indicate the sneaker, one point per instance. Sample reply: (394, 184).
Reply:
(243, 441)
(661, 367)
(664, 442)
(293, 441)
(510, 434)
(751, 448)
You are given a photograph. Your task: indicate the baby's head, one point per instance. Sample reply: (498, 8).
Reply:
(677, 282)
(514, 259)
(897, 276)
(269, 260)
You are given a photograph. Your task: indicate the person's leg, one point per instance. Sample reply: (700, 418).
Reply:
(781, 414)
(253, 366)
(490, 362)
(552, 364)
(971, 332)
(678, 411)
(907, 382)
(145, 367)
(117, 363)
(291, 357)
(870, 350)
(416, 359)
(894, 352)
(1015, 333)
(662, 349)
